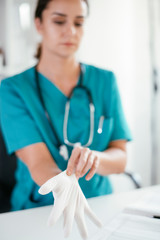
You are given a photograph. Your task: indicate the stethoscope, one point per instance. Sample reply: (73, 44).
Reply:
(63, 151)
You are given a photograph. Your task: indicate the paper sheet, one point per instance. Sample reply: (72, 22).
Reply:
(148, 205)
(130, 227)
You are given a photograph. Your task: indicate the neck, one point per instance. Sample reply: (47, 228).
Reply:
(60, 68)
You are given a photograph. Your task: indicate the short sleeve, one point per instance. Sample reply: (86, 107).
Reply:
(120, 126)
(18, 127)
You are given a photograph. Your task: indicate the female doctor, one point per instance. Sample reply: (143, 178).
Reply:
(62, 114)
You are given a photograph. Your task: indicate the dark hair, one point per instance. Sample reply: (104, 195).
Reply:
(38, 51)
(42, 5)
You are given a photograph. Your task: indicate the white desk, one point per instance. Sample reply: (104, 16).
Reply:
(31, 224)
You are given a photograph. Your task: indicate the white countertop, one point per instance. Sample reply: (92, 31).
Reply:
(31, 224)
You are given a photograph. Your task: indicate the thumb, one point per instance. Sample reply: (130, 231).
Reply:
(48, 186)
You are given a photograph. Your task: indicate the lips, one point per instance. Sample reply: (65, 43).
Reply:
(68, 44)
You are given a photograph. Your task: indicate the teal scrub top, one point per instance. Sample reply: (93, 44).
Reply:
(24, 122)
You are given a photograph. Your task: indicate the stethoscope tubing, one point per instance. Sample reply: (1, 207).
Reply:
(66, 114)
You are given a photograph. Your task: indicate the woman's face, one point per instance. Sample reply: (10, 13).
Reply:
(61, 26)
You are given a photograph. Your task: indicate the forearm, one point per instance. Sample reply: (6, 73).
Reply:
(44, 171)
(111, 161)
(39, 161)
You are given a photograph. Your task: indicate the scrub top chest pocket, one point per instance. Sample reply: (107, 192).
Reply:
(102, 132)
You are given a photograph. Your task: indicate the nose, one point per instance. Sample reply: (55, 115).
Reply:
(71, 30)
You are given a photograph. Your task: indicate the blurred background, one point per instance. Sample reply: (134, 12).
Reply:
(122, 36)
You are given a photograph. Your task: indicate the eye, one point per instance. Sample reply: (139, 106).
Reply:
(59, 22)
(78, 24)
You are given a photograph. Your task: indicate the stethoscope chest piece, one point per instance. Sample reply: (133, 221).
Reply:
(63, 150)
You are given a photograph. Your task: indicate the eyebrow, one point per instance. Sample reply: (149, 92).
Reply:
(64, 15)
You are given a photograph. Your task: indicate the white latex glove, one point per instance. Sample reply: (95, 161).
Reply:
(69, 200)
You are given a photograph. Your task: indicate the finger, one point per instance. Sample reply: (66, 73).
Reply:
(73, 160)
(82, 161)
(55, 214)
(48, 186)
(92, 216)
(81, 224)
(69, 213)
(59, 206)
(93, 169)
(89, 164)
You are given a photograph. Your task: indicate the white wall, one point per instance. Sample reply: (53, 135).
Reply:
(2, 23)
(155, 58)
(143, 91)
(117, 38)
(21, 43)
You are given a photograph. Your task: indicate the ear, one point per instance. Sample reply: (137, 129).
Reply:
(38, 24)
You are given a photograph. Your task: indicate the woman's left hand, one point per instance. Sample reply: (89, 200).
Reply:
(81, 161)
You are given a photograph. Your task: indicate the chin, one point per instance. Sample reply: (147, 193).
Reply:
(70, 54)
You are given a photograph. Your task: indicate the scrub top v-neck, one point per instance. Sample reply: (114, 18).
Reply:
(23, 123)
